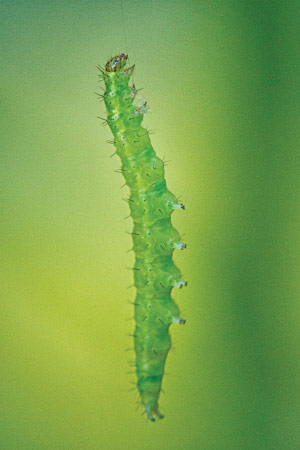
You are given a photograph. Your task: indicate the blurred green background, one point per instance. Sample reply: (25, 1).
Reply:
(222, 81)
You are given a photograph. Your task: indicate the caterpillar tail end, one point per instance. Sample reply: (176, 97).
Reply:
(153, 411)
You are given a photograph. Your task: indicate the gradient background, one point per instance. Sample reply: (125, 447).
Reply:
(222, 81)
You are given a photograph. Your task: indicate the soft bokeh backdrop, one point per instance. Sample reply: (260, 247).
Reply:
(222, 80)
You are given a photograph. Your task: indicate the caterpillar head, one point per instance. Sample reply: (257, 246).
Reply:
(116, 63)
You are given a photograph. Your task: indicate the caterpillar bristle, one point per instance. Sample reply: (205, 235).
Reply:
(99, 95)
(132, 389)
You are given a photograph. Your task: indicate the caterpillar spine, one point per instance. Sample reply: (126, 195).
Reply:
(154, 237)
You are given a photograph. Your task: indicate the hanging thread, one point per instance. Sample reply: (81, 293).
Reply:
(125, 37)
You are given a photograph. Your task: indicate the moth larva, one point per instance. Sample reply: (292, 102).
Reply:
(154, 238)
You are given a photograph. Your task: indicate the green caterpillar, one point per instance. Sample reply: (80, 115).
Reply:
(154, 238)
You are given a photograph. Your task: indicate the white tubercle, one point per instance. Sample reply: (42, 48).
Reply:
(180, 283)
(179, 245)
(178, 206)
(178, 320)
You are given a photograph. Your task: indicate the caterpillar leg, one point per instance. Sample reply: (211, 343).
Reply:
(150, 411)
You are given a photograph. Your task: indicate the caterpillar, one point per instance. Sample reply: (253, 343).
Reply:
(154, 237)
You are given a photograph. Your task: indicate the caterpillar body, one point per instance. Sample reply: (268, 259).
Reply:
(154, 237)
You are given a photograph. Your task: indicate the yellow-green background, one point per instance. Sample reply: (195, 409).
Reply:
(222, 80)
